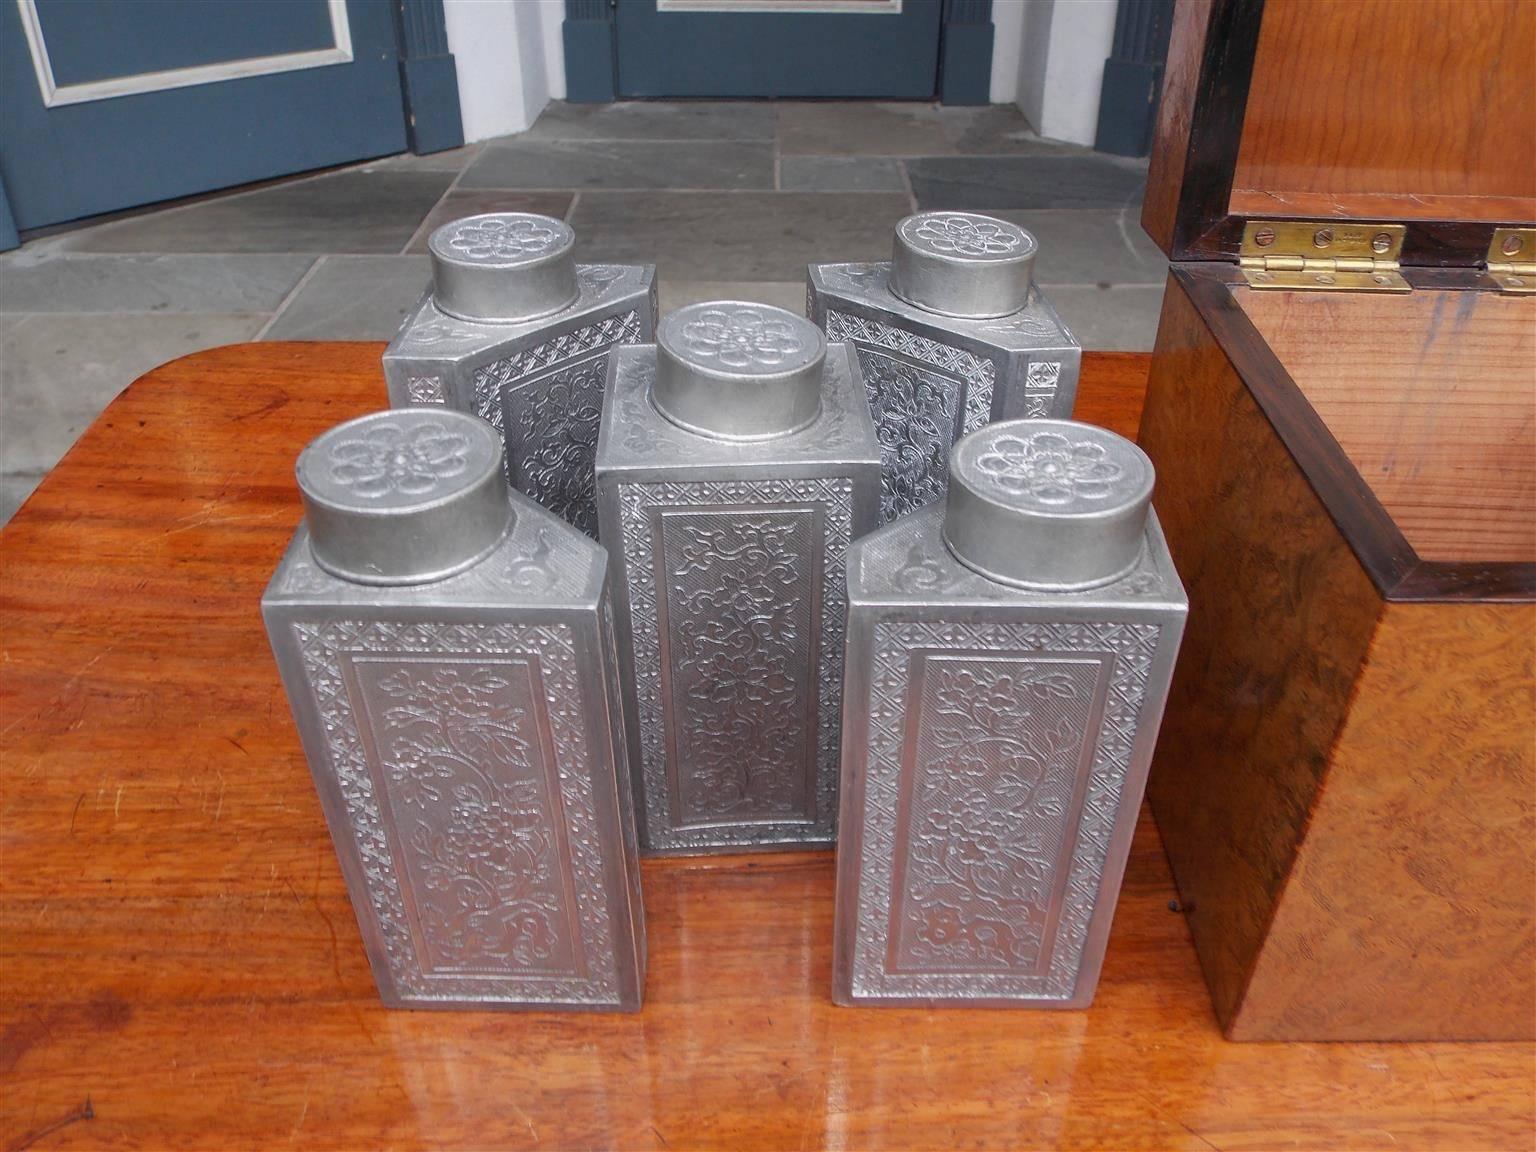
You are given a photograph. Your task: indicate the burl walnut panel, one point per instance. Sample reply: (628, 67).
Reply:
(1281, 614)
(1416, 871)
(1344, 783)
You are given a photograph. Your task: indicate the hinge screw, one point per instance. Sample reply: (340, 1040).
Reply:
(1264, 237)
(1511, 245)
(1322, 237)
(1381, 242)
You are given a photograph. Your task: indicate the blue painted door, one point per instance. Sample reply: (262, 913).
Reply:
(846, 48)
(107, 104)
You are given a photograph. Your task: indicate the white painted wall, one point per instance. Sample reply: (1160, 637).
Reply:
(552, 12)
(510, 58)
(1007, 45)
(1048, 58)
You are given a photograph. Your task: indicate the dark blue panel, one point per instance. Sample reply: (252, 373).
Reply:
(432, 93)
(966, 71)
(78, 160)
(8, 237)
(778, 54)
(589, 61)
(88, 40)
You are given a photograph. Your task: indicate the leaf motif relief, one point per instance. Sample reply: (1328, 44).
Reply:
(923, 394)
(773, 699)
(557, 441)
(458, 753)
(741, 718)
(914, 414)
(982, 853)
(552, 448)
(986, 833)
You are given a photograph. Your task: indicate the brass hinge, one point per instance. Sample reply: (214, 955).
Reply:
(1323, 255)
(1512, 259)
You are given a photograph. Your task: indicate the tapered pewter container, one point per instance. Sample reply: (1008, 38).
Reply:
(1009, 654)
(951, 334)
(737, 462)
(516, 332)
(448, 652)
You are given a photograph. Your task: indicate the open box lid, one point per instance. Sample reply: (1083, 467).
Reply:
(1402, 382)
(1416, 116)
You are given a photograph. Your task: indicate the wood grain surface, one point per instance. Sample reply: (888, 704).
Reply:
(1274, 588)
(1433, 399)
(1346, 784)
(1172, 152)
(1429, 99)
(1424, 837)
(181, 968)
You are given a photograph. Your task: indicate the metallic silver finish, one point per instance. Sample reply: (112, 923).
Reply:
(931, 379)
(737, 371)
(503, 267)
(540, 383)
(468, 747)
(403, 497)
(1047, 504)
(961, 264)
(731, 607)
(995, 750)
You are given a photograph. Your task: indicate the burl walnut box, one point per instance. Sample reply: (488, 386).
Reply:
(1342, 412)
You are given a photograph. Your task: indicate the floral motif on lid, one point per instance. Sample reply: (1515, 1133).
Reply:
(501, 237)
(742, 337)
(965, 234)
(395, 459)
(1053, 470)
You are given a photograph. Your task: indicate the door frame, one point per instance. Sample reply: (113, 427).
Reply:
(592, 52)
(429, 90)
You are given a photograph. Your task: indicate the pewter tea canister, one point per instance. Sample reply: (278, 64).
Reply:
(951, 334)
(737, 462)
(447, 648)
(516, 332)
(1009, 655)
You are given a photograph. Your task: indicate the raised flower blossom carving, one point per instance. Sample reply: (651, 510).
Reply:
(741, 337)
(503, 238)
(390, 459)
(967, 236)
(1049, 468)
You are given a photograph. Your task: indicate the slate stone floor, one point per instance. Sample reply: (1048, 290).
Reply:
(728, 199)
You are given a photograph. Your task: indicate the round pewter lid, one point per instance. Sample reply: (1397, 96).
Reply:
(503, 267)
(404, 497)
(961, 264)
(737, 371)
(1047, 504)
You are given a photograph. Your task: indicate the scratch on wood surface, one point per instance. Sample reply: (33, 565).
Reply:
(64, 688)
(84, 1112)
(117, 803)
(303, 1112)
(523, 1116)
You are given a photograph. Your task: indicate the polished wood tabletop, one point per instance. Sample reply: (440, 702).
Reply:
(180, 967)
